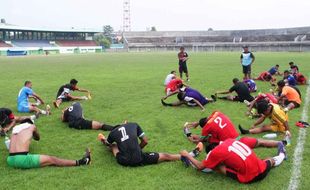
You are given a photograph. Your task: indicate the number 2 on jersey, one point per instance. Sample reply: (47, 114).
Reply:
(124, 134)
(218, 120)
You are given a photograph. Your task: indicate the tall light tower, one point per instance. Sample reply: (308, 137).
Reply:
(126, 16)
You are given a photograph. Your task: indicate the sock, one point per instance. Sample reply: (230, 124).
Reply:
(43, 112)
(106, 127)
(77, 163)
(243, 131)
(278, 159)
(33, 117)
(286, 109)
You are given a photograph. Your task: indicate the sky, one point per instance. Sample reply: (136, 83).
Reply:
(165, 15)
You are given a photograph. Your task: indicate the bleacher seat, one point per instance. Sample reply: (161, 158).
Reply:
(31, 43)
(3, 44)
(76, 43)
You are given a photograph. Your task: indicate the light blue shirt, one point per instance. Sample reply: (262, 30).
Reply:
(23, 95)
(246, 58)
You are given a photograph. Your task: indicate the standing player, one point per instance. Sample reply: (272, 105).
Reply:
(64, 93)
(246, 59)
(237, 160)
(169, 77)
(75, 118)
(128, 151)
(8, 119)
(241, 89)
(20, 157)
(183, 57)
(23, 104)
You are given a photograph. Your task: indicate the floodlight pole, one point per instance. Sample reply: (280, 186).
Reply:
(126, 16)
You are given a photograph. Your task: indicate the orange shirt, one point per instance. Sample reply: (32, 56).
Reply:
(291, 94)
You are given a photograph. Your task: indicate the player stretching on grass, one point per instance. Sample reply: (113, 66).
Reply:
(183, 57)
(75, 118)
(20, 157)
(236, 160)
(8, 119)
(23, 104)
(289, 96)
(64, 93)
(123, 142)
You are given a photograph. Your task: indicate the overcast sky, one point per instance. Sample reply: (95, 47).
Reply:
(163, 14)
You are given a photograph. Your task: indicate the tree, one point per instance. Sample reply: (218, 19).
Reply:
(102, 40)
(108, 32)
(153, 28)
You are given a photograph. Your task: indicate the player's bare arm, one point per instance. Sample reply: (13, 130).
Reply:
(143, 142)
(259, 121)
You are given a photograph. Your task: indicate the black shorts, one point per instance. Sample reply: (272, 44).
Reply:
(210, 147)
(81, 124)
(147, 158)
(246, 69)
(287, 102)
(66, 99)
(241, 99)
(183, 68)
(255, 179)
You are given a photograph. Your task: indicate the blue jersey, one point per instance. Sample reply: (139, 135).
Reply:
(247, 58)
(23, 95)
(251, 85)
(273, 70)
(291, 80)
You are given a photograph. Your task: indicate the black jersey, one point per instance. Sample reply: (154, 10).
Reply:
(73, 113)
(64, 89)
(242, 90)
(126, 137)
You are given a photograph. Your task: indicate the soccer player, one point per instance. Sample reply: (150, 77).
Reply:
(173, 87)
(23, 104)
(169, 77)
(289, 96)
(251, 85)
(278, 117)
(20, 157)
(191, 97)
(293, 68)
(218, 127)
(8, 119)
(270, 98)
(123, 142)
(64, 93)
(246, 59)
(289, 79)
(301, 79)
(240, 88)
(237, 160)
(274, 70)
(74, 116)
(183, 57)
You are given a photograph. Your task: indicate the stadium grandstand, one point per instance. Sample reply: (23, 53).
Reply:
(285, 39)
(17, 40)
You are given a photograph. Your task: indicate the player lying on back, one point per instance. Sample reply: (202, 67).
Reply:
(218, 127)
(8, 119)
(190, 97)
(23, 104)
(64, 93)
(235, 159)
(73, 115)
(240, 88)
(123, 142)
(20, 157)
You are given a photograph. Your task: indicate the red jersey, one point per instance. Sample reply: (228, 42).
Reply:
(174, 84)
(219, 127)
(269, 97)
(238, 158)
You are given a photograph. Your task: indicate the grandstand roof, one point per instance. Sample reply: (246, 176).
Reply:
(23, 28)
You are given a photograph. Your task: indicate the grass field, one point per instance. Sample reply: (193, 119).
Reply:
(129, 86)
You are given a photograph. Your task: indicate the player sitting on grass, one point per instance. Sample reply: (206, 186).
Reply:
(289, 96)
(251, 85)
(64, 93)
(235, 159)
(301, 79)
(170, 77)
(75, 118)
(240, 88)
(8, 119)
(20, 157)
(218, 127)
(289, 79)
(270, 98)
(278, 117)
(293, 68)
(123, 142)
(23, 104)
(191, 97)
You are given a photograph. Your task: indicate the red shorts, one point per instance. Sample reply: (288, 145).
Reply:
(249, 141)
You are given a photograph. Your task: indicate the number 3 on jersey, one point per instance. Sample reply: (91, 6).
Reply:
(218, 120)
(124, 134)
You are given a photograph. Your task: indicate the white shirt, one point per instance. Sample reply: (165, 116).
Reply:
(168, 79)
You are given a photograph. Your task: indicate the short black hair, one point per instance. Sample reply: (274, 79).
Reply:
(291, 63)
(281, 83)
(73, 81)
(172, 72)
(277, 65)
(27, 82)
(203, 121)
(286, 71)
(182, 47)
(181, 96)
(235, 80)
(262, 106)
(245, 46)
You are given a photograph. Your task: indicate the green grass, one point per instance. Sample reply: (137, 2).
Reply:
(129, 86)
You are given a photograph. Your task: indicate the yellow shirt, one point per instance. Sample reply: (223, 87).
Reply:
(278, 115)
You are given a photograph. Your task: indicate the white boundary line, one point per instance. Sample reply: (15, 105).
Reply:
(298, 153)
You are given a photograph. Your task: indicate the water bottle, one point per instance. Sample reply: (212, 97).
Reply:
(270, 136)
(7, 142)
